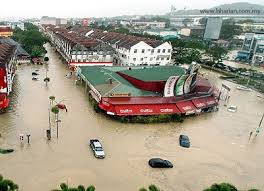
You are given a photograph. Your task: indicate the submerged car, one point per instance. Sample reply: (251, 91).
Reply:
(97, 148)
(232, 108)
(184, 141)
(160, 163)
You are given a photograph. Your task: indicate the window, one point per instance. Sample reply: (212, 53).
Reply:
(134, 59)
(152, 51)
(169, 50)
(135, 51)
(151, 59)
(141, 59)
(163, 51)
(168, 58)
(143, 50)
(162, 58)
(157, 58)
(158, 50)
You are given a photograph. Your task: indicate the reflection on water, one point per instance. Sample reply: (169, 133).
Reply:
(220, 148)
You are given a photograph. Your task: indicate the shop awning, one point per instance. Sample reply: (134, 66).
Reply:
(210, 101)
(200, 103)
(204, 102)
(186, 107)
(146, 109)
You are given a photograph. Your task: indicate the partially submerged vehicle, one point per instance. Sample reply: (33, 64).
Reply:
(244, 88)
(232, 108)
(160, 163)
(97, 148)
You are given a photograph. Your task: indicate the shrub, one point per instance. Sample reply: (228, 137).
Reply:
(46, 59)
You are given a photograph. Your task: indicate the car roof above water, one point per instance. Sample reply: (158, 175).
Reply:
(97, 144)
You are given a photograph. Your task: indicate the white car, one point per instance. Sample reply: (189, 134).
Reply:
(232, 108)
(97, 148)
(240, 87)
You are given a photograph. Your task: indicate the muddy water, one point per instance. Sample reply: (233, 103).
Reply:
(220, 148)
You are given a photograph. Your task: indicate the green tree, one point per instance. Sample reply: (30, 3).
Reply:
(64, 187)
(229, 29)
(222, 187)
(216, 53)
(31, 39)
(7, 185)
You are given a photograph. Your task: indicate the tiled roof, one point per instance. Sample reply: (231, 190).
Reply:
(121, 40)
(73, 37)
(5, 29)
(6, 52)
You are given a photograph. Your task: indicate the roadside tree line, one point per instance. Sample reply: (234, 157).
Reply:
(9, 185)
(31, 39)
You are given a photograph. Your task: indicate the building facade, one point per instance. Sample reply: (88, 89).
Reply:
(77, 49)
(7, 73)
(131, 50)
(5, 31)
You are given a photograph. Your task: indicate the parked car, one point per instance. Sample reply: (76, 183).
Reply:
(184, 141)
(97, 148)
(160, 163)
(232, 108)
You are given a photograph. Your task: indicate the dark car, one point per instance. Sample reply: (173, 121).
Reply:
(184, 141)
(160, 163)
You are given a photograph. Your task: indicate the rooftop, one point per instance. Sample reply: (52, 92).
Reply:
(154, 73)
(107, 81)
(100, 77)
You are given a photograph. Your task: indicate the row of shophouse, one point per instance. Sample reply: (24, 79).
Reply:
(7, 72)
(87, 46)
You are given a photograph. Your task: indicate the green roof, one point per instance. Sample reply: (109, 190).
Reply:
(99, 77)
(157, 73)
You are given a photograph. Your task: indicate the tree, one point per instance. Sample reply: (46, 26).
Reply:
(7, 185)
(216, 53)
(229, 29)
(46, 59)
(222, 187)
(64, 187)
(31, 39)
(151, 187)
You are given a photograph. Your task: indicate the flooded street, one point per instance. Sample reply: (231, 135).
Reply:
(220, 150)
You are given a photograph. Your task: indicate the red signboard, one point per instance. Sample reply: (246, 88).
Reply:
(146, 109)
(186, 107)
(204, 102)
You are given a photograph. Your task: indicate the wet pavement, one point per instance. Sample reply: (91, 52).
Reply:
(220, 150)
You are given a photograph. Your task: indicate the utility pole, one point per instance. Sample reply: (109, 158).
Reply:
(258, 128)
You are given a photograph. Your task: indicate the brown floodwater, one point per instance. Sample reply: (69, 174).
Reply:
(220, 150)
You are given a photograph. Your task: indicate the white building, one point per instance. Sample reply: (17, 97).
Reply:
(52, 21)
(131, 50)
(79, 50)
(148, 24)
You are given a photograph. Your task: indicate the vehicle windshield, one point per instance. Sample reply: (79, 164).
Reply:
(99, 149)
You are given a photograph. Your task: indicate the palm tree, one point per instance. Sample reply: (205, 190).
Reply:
(7, 185)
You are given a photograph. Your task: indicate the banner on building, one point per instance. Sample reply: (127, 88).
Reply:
(188, 83)
(169, 86)
(193, 68)
(180, 85)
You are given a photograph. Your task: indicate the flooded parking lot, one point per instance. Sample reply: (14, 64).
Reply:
(220, 149)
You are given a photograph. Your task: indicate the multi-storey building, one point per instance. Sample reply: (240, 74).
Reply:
(5, 31)
(253, 48)
(79, 50)
(7, 73)
(131, 50)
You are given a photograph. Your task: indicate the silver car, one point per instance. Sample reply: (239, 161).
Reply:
(97, 148)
